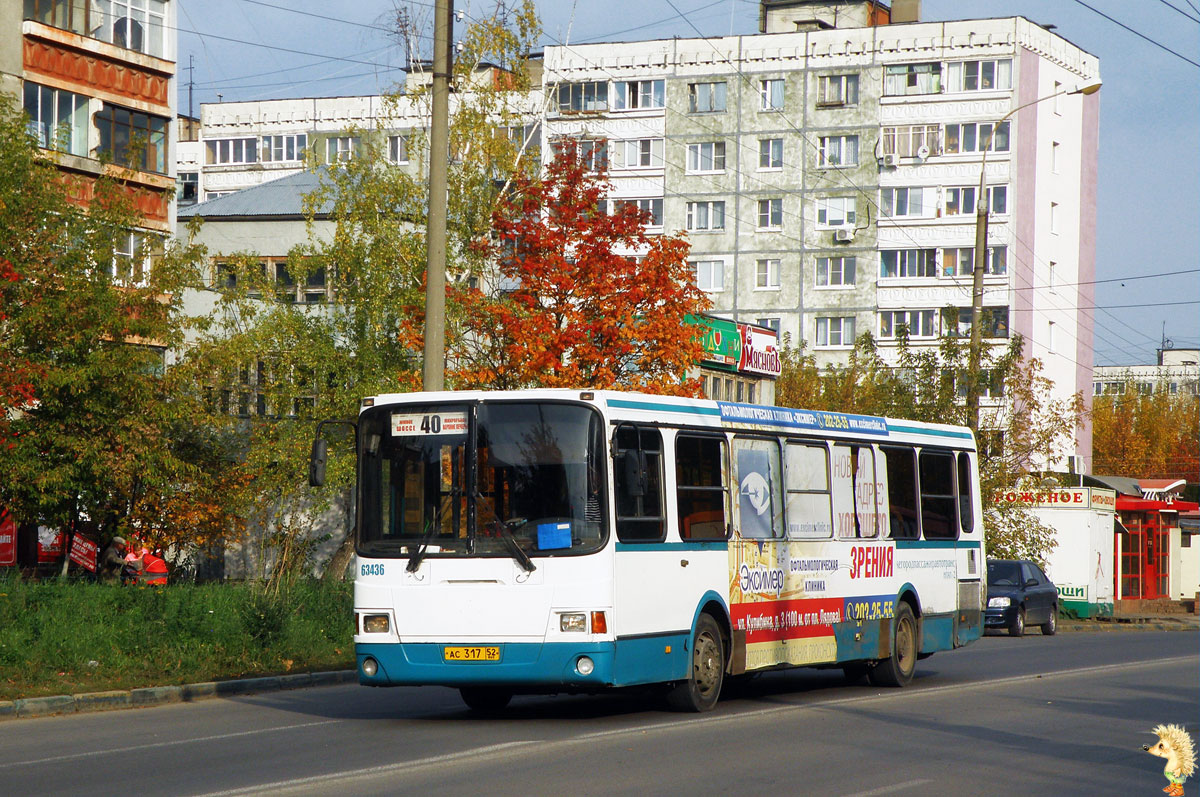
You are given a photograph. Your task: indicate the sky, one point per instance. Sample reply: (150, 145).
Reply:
(1148, 206)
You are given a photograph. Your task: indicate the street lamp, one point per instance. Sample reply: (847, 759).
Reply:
(975, 353)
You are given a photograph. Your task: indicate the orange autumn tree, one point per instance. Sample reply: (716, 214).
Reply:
(591, 300)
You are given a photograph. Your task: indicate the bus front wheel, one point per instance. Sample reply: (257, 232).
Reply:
(703, 685)
(898, 668)
(485, 700)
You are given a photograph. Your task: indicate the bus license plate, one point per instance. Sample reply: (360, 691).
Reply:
(489, 653)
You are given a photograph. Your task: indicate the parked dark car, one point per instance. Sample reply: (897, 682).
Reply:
(1019, 594)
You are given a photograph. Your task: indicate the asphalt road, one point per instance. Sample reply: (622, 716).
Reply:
(1058, 715)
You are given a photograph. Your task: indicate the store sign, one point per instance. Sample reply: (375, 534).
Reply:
(1059, 498)
(8, 539)
(760, 351)
(722, 341)
(83, 552)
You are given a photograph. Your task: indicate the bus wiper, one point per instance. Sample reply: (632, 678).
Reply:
(414, 561)
(502, 530)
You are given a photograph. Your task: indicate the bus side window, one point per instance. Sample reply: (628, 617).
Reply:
(759, 488)
(640, 507)
(806, 474)
(701, 491)
(902, 492)
(966, 502)
(938, 517)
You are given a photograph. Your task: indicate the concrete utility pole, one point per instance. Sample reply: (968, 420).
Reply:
(975, 352)
(433, 374)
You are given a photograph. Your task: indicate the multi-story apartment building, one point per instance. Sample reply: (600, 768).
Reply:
(1177, 371)
(97, 80)
(826, 170)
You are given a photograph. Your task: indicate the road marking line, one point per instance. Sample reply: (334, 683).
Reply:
(90, 754)
(475, 754)
(891, 789)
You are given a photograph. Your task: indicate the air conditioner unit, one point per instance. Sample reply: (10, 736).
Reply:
(1076, 465)
(891, 159)
(843, 235)
(922, 152)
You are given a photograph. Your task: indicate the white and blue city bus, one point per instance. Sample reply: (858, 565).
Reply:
(543, 541)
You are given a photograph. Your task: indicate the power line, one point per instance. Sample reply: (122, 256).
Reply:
(1134, 32)
(1179, 10)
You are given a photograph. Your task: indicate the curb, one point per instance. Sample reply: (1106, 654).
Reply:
(24, 708)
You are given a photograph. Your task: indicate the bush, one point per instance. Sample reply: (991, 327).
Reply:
(62, 638)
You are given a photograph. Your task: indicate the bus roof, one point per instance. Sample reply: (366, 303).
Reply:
(671, 410)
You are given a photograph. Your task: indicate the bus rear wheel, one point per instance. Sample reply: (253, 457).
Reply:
(898, 668)
(484, 699)
(703, 685)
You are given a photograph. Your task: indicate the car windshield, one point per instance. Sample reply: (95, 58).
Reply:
(475, 479)
(1004, 573)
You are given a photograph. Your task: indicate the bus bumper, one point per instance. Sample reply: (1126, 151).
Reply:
(531, 665)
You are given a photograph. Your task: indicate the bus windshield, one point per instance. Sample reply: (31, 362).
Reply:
(472, 479)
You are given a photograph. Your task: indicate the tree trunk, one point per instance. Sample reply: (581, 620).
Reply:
(335, 570)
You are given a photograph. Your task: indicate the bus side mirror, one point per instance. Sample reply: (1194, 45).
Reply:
(316, 463)
(635, 478)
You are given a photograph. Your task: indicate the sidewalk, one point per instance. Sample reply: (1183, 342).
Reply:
(1133, 622)
(161, 695)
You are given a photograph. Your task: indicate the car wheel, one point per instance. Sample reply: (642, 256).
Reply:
(898, 668)
(1018, 624)
(1051, 624)
(485, 700)
(703, 685)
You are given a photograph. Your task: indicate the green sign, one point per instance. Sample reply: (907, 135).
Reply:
(722, 342)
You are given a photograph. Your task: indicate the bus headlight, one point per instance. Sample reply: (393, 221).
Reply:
(584, 665)
(999, 602)
(576, 621)
(376, 624)
(370, 667)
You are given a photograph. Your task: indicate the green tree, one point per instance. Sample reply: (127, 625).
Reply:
(90, 429)
(366, 233)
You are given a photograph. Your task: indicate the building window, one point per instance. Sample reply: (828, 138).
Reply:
(340, 148)
(994, 323)
(898, 203)
(835, 271)
(911, 141)
(188, 187)
(591, 153)
(960, 261)
(766, 274)
(706, 97)
(770, 214)
(1052, 276)
(838, 151)
(132, 24)
(771, 324)
(397, 149)
(231, 150)
(834, 90)
(641, 153)
(902, 263)
(636, 94)
(704, 216)
(131, 258)
(770, 153)
(581, 97)
(708, 156)
(972, 136)
(961, 201)
(1054, 218)
(979, 75)
(57, 119)
(1055, 152)
(918, 323)
(710, 275)
(132, 138)
(654, 207)
(904, 79)
(835, 330)
(770, 94)
(835, 211)
(284, 149)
